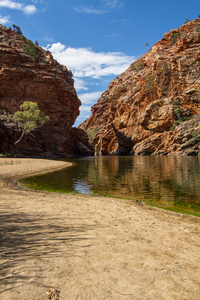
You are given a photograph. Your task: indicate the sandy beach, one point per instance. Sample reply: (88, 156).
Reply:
(87, 247)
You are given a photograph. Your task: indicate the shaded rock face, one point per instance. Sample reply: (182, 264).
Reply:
(39, 78)
(154, 106)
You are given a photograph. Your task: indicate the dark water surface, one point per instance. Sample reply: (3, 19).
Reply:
(167, 181)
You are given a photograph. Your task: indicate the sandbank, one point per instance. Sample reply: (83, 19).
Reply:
(88, 247)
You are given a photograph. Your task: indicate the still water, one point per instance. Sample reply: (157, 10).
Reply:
(167, 181)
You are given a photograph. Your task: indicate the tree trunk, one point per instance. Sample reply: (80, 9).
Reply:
(20, 138)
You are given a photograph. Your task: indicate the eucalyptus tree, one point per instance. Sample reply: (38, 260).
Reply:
(29, 118)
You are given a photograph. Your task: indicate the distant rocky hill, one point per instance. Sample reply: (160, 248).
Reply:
(154, 106)
(28, 72)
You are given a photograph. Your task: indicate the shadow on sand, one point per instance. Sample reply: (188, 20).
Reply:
(24, 239)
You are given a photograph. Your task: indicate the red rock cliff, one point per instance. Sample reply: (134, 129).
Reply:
(37, 77)
(154, 106)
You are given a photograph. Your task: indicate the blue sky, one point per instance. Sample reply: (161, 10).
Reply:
(97, 40)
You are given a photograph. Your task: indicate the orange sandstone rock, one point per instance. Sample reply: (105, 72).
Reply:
(38, 78)
(154, 106)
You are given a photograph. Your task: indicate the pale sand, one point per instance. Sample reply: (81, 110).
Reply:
(92, 247)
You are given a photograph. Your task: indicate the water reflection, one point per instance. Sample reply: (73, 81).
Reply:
(81, 187)
(165, 178)
(167, 181)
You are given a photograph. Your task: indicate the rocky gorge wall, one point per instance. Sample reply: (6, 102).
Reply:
(28, 72)
(154, 106)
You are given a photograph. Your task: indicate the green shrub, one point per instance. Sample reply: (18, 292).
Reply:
(176, 102)
(186, 21)
(176, 123)
(137, 67)
(23, 38)
(172, 127)
(183, 119)
(198, 90)
(29, 49)
(194, 140)
(198, 29)
(174, 37)
(92, 133)
(196, 132)
(178, 112)
(9, 163)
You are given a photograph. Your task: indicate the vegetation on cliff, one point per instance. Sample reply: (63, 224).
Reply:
(30, 73)
(154, 106)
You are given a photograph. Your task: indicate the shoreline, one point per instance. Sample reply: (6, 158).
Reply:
(11, 169)
(50, 165)
(90, 247)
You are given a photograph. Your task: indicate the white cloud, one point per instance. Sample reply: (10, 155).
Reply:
(56, 48)
(113, 36)
(4, 20)
(90, 68)
(119, 21)
(80, 84)
(48, 39)
(85, 112)
(113, 3)
(84, 62)
(89, 10)
(105, 6)
(85, 108)
(27, 9)
(89, 98)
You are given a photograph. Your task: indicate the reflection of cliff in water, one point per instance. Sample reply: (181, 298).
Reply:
(162, 180)
(169, 178)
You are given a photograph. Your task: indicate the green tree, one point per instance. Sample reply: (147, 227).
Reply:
(147, 44)
(29, 118)
(23, 38)
(17, 29)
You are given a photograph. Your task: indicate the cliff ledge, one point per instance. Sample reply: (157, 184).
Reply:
(154, 106)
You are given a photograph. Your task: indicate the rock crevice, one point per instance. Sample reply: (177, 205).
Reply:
(154, 106)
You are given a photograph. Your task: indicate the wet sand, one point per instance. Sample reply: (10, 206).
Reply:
(90, 247)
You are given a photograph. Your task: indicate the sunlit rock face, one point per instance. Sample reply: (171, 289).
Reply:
(154, 106)
(37, 77)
